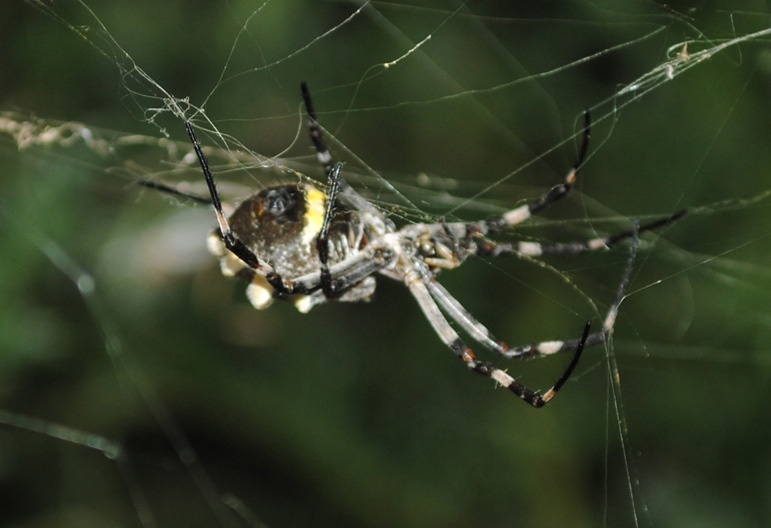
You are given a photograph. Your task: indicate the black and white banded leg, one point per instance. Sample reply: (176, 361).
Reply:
(420, 290)
(434, 299)
(338, 187)
(553, 195)
(491, 248)
(329, 288)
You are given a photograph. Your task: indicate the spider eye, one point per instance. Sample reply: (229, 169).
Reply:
(279, 201)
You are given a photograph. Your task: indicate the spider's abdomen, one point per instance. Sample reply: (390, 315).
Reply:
(280, 224)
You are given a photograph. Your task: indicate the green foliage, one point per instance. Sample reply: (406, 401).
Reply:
(355, 415)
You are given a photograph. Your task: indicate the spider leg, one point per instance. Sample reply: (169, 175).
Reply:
(232, 243)
(463, 317)
(168, 189)
(345, 274)
(596, 338)
(335, 180)
(553, 195)
(482, 335)
(465, 235)
(491, 248)
(450, 337)
(350, 271)
(338, 188)
(329, 287)
(345, 192)
(322, 152)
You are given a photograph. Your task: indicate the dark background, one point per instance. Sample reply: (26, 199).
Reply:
(355, 415)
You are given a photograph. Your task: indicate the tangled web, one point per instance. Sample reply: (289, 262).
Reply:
(140, 389)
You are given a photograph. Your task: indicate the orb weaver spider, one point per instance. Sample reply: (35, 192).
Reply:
(297, 243)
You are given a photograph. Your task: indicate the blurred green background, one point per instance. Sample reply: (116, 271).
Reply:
(355, 415)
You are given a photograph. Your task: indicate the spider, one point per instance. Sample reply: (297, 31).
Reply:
(297, 243)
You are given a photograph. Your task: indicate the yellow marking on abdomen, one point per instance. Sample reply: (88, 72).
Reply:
(315, 204)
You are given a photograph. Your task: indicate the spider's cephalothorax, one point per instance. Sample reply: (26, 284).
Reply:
(294, 242)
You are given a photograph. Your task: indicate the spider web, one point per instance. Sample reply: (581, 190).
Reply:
(139, 389)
